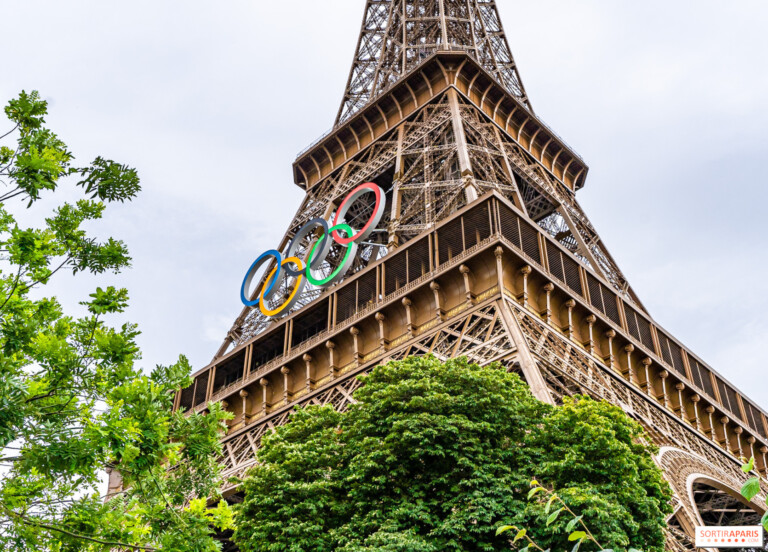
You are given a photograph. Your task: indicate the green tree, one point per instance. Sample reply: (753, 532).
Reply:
(435, 456)
(73, 401)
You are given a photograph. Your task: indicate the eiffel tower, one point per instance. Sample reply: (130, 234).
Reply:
(482, 250)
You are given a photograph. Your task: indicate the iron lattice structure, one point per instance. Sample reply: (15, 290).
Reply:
(484, 252)
(397, 35)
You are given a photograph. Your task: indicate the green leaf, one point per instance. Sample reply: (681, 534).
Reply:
(572, 524)
(749, 466)
(524, 549)
(534, 491)
(751, 488)
(764, 521)
(520, 534)
(607, 550)
(130, 452)
(553, 516)
(504, 529)
(634, 550)
(534, 483)
(577, 546)
(577, 535)
(548, 507)
(110, 181)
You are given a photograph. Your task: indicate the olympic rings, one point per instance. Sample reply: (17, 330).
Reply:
(373, 222)
(306, 271)
(325, 244)
(298, 287)
(272, 253)
(346, 262)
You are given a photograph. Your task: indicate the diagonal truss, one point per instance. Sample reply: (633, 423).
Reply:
(481, 334)
(426, 166)
(452, 151)
(397, 35)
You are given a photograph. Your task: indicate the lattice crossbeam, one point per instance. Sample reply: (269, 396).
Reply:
(398, 35)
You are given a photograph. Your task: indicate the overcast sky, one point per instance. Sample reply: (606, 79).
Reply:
(211, 102)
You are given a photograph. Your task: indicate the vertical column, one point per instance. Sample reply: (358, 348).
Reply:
(439, 312)
(246, 415)
(610, 335)
(738, 430)
(408, 316)
(332, 367)
(383, 341)
(499, 254)
(286, 383)
(591, 319)
(569, 304)
(358, 357)
(695, 400)
(631, 374)
(726, 442)
(248, 355)
(443, 25)
(211, 380)
(307, 358)
(664, 375)
(394, 236)
(461, 144)
(647, 365)
(751, 442)
(712, 431)
(548, 289)
(680, 388)
(523, 298)
(264, 382)
(466, 273)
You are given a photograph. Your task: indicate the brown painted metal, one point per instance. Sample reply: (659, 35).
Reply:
(484, 252)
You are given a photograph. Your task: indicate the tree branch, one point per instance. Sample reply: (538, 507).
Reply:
(10, 131)
(28, 521)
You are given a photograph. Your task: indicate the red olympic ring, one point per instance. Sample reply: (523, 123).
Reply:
(349, 200)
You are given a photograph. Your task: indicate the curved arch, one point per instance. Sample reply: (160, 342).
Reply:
(429, 84)
(383, 116)
(472, 83)
(458, 71)
(444, 71)
(485, 95)
(397, 103)
(413, 95)
(706, 492)
(343, 147)
(685, 470)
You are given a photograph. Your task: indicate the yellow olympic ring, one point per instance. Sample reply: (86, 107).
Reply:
(296, 288)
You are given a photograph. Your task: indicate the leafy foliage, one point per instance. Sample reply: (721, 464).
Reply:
(73, 401)
(752, 487)
(435, 456)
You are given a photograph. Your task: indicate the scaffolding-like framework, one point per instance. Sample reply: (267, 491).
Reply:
(484, 252)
